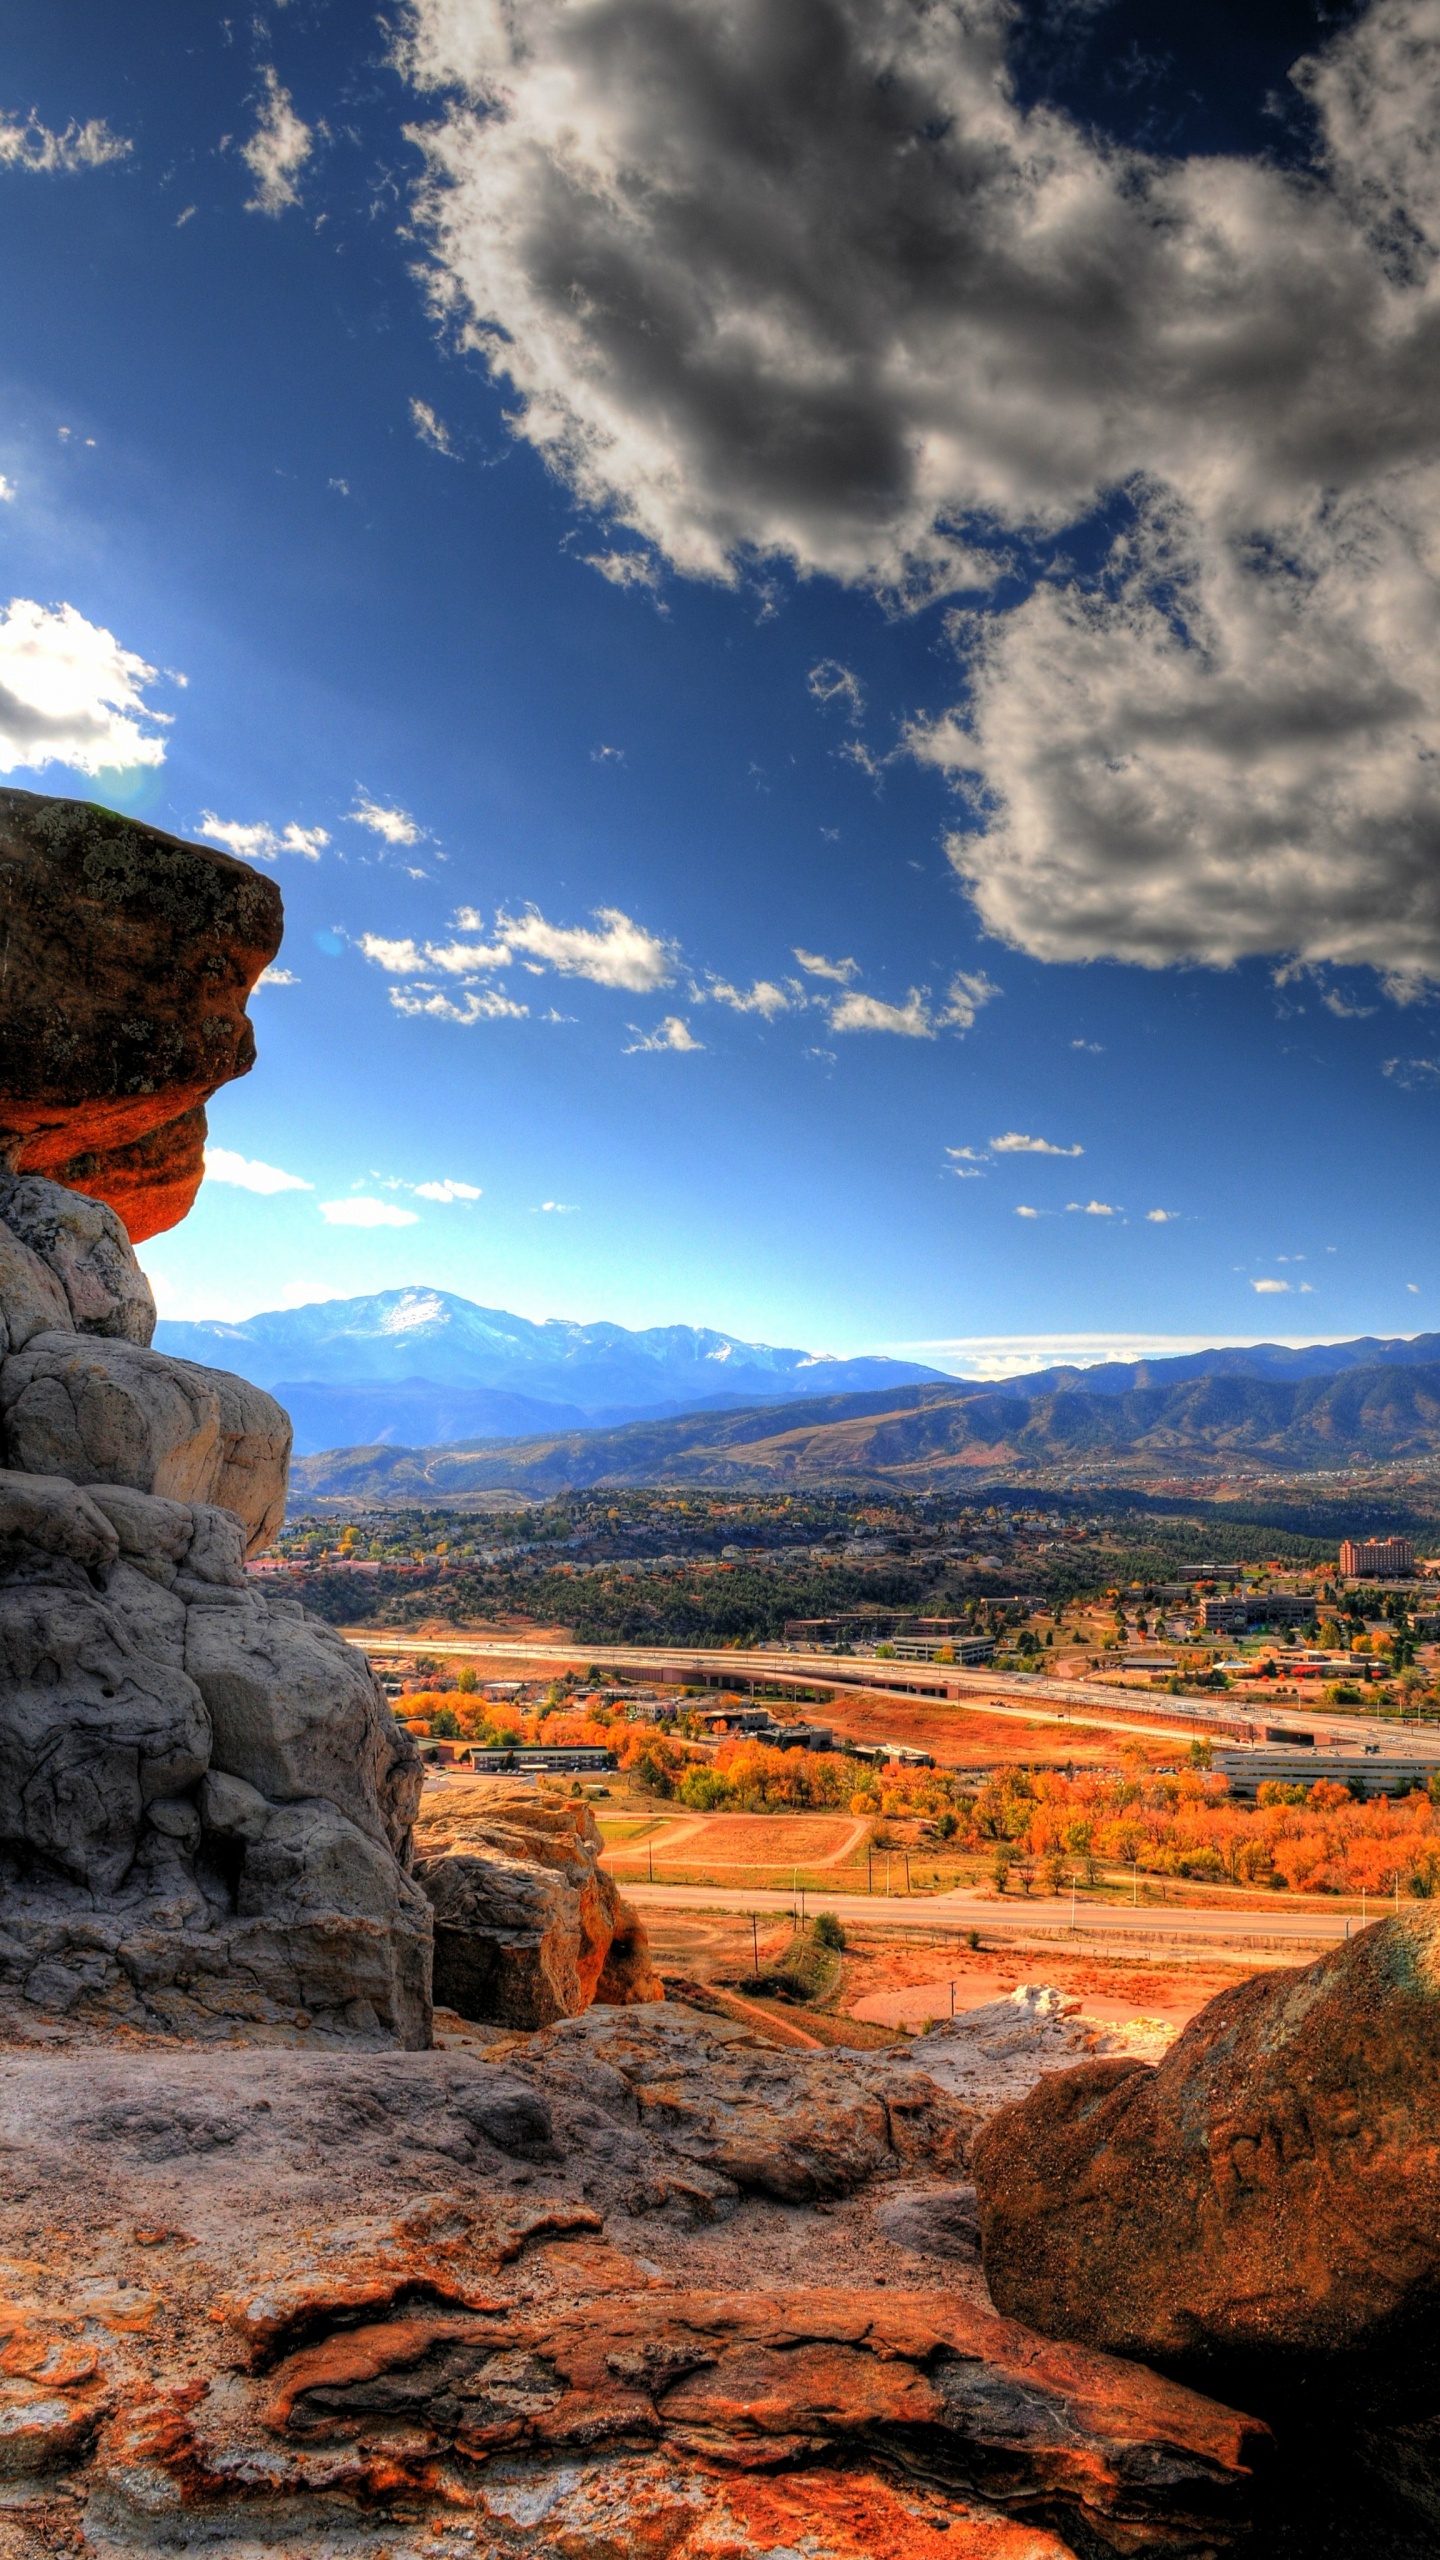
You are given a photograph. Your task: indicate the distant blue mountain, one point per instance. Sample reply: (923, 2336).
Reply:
(1245, 1360)
(418, 1366)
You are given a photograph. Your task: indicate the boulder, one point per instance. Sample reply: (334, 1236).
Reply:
(105, 1411)
(1269, 2193)
(129, 957)
(83, 1244)
(528, 1925)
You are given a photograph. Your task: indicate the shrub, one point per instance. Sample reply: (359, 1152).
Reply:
(827, 1931)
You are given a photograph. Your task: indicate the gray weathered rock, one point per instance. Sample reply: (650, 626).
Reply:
(253, 1475)
(57, 1516)
(153, 1534)
(108, 1412)
(31, 1298)
(93, 1726)
(298, 1713)
(84, 1245)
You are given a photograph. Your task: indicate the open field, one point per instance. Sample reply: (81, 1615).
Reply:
(888, 1987)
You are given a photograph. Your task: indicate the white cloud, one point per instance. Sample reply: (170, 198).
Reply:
(273, 977)
(1027, 1213)
(1413, 1075)
(1015, 1143)
(968, 1155)
(394, 826)
(816, 965)
(403, 958)
(31, 145)
(257, 842)
(1271, 1288)
(247, 1173)
(463, 959)
(7, 491)
(444, 1192)
(432, 430)
(672, 1033)
(476, 1005)
(625, 568)
(1094, 1208)
(966, 997)
(1161, 1217)
(1412, 1288)
(557, 1208)
(961, 328)
(69, 694)
(620, 954)
(831, 682)
(857, 1012)
(366, 1213)
(764, 997)
(277, 149)
(1342, 1006)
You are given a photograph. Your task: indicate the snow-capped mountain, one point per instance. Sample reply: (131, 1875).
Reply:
(419, 1365)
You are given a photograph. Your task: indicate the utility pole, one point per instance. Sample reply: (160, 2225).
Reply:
(1072, 1902)
(755, 1945)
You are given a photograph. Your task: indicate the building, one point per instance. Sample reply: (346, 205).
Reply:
(537, 1759)
(1365, 1770)
(959, 1649)
(1255, 1609)
(1376, 1559)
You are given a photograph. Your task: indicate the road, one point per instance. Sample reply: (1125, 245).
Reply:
(1174, 1925)
(1027, 1695)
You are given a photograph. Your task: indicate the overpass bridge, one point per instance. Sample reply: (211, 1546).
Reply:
(1031, 1696)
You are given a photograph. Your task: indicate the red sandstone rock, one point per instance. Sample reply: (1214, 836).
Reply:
(129, 956)
(1273, 2188)
(528, 1925)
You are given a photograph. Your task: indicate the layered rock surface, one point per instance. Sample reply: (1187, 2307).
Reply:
(542, 2342)
(128, 959)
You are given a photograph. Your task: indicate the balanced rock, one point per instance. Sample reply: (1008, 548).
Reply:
(129, 957)
(1271, 2191)
(528, 1926)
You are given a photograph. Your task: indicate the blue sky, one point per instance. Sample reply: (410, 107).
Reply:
(1044, 654)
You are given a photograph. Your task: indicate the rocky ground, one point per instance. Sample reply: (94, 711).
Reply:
(632, 2281)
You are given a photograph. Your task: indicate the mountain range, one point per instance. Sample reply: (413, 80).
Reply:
(414, 1393)
(939, 1437)
(421, 1366)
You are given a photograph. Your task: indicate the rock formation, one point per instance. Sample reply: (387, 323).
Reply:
(528, 1926)
(205, 1803)
(128, 959)
(1269, 2193)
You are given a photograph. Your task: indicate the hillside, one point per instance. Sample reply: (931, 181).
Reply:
(935, 1435)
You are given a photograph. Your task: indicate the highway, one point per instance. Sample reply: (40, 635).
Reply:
(1027, 1694)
